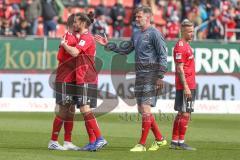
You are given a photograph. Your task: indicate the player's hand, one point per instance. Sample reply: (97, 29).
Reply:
(187, 93)
(159, 84)
(102, 40)
(63, 40)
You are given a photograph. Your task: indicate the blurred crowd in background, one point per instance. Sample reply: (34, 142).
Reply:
(213, 19)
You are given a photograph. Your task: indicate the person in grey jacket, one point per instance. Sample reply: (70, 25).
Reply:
(33, 9)
(150, 66)
(50, 17)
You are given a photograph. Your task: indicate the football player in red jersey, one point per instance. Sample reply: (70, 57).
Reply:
(64, 86)
(86, 78)
(185, 85)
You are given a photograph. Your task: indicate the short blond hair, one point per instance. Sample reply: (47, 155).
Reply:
(186, 23)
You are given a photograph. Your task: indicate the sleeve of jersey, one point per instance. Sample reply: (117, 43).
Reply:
(179, 55)
(72, 40)
(60, 53)
(161, 50)
(83, 45)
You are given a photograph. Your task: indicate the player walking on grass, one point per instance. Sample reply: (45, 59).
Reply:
(65, 78)
(185, 86)
(150, 65)
(86, 78)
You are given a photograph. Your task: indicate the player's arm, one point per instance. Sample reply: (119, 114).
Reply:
(180, 72)
(161, 50)
(125, 47)
(69, 49)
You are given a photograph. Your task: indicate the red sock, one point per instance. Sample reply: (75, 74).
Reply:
(57, 125)
(183, 127)
(91, 122)
(146, 125)
(68, 127)
(155, 129)
(91, 135)
(176, 126)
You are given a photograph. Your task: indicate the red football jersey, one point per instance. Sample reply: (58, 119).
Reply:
(67, 63)
(183, 54)
(71, 41)
(86, 70)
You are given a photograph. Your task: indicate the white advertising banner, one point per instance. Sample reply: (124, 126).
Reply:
(209, 87)
(163, 106)
(32, 92)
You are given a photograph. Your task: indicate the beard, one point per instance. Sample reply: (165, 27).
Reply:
(140, 24)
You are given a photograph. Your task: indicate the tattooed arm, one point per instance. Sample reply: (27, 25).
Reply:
(125, 47)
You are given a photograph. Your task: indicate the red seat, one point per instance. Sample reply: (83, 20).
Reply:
(90, 10)
(127, 31)
(110, 31)
(65, 14)
(128, 3)
(70, 10)
(94, 2)
(159, 20)
(12, 1)
(61, 29)
(40, 29)
(128, 16)
(110, 3)
(77, 10)
(22, 13)
(8, 12)
(40, 19)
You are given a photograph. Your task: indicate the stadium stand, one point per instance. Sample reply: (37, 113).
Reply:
(163, 11)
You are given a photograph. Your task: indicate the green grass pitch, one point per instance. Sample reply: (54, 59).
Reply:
(24, 136)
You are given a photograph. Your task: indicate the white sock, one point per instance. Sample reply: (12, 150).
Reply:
(175, 141)
(181, 141)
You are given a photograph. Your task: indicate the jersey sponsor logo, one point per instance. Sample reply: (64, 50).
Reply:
(180, 43)
(82, 42)
(178, 55)
(191, 57)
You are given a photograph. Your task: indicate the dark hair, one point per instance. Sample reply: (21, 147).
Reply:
(23, 21)
(88, 18)
(70, 20)
(144, 9)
